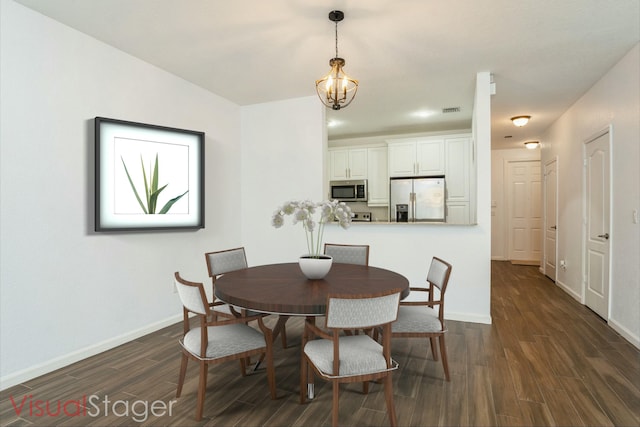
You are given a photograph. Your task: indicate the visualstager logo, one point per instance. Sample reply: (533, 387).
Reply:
(91, 406)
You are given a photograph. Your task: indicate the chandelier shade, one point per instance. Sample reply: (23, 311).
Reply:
(336, 90)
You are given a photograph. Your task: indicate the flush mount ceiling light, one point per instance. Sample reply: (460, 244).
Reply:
(336, 90)
(520, 120)
(532, 145)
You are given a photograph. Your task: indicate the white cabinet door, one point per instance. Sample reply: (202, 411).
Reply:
(457, 169)
(458, 213)
(338, 164)
(402, 159)
(430, 157)
(348, 164)
(378, 176)
(358, 163)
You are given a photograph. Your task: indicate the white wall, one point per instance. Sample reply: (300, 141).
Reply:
(283, 148)
(499, 223)
(65, 291)
(613, 101)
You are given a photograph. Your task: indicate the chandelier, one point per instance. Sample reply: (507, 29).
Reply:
(336, 89)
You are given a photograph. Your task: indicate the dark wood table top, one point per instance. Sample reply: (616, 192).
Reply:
(283, 289)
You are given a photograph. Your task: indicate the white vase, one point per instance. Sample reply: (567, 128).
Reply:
(315, 268)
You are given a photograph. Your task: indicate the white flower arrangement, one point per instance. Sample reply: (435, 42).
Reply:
(304, 211)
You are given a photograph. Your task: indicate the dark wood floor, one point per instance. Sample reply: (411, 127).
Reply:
(545, 360)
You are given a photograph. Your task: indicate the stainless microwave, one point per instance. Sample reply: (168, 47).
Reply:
(349, 191)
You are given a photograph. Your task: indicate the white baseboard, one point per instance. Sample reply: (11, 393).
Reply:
(465, 317)
(83, 353)
(626, 334)
(570, 291)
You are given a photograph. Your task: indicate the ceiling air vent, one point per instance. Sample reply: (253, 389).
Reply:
(451, 110)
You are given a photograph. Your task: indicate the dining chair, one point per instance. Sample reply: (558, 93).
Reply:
(221, 262)
(215, 342)
(225, 261)
(424, 317)
(348, 254)
(341, 358)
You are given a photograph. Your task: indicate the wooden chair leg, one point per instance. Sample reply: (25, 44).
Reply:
(202, 388)
(445, 362)
(243, 367)
(284, 336)
(388, 395)
(183, 372)
(271, 372)
(336, 399)
(434, 348)
(365, 387)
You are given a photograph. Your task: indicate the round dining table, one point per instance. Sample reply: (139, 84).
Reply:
(283, 289)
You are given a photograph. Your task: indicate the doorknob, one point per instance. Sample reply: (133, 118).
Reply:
(553, 227)
(604, 236)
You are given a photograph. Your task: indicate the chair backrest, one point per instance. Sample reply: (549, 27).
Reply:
(348, 254)
(438, 274)
(221, 262)
(192, 295)
(362, 311)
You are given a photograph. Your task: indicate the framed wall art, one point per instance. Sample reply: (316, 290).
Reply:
(148, 177)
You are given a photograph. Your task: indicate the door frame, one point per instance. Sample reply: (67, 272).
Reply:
(545, 221)
(604, 131)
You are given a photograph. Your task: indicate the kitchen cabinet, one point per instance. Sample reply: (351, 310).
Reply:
(416, 157)
(457, 175)
(457, 212)
(347, 163)
(457, 169)
(450, 155)
(378, 176)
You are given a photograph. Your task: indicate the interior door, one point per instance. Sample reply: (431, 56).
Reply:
(597, 243)
(525, 211)
(550, 219)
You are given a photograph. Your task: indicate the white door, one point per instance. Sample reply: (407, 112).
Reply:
(597, 205)
(525, 212)
(550, 219)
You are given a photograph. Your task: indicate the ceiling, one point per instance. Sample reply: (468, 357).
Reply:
(412, 57)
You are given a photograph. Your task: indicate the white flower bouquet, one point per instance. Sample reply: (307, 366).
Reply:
(306, 211)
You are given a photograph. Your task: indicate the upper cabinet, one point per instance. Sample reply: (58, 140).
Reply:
(378, 177)
(457, 169)
(347, 163)
(416, 157)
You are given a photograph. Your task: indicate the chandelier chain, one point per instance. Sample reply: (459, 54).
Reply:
(336, 39)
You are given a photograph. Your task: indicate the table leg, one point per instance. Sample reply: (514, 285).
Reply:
(282, 319)
(310, 391)
(310, 386)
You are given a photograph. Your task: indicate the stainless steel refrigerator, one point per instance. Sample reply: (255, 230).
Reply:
(417, 199)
